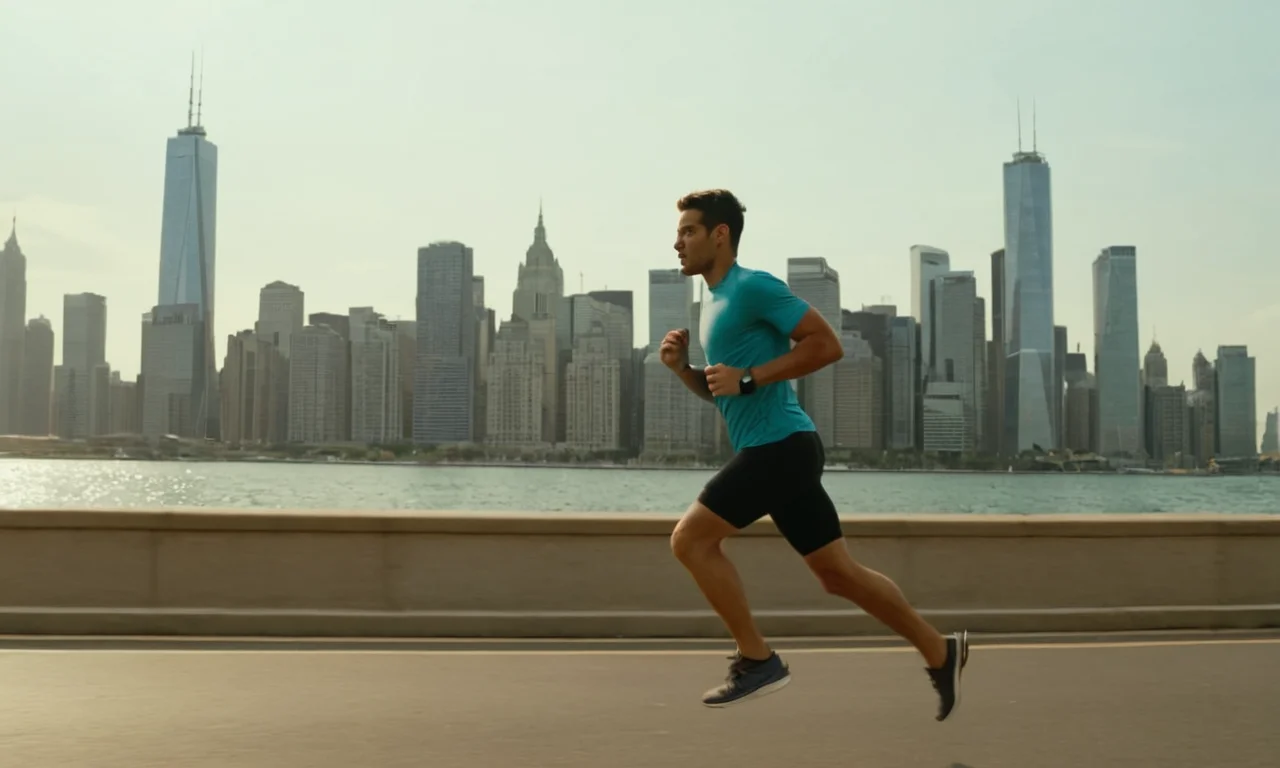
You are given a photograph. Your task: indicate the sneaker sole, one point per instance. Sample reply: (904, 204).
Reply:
(962, 647)
(763, 690)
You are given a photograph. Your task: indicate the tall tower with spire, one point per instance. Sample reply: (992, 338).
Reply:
(188, 268)
(1028, 301)
(13, 331)
(540, 283)
(539, 289)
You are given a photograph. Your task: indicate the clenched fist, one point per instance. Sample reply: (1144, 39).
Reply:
(674, 351)
(724, 380)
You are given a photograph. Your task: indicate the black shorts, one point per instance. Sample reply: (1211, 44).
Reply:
(782, 480)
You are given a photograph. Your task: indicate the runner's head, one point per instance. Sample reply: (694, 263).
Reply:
(709, 230)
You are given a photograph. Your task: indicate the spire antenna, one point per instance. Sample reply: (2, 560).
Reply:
(191, 90)
(1019, 126)
(200, 95)
(1033, 126)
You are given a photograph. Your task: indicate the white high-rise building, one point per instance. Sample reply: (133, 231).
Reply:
(927, 263)
(670, 299)
(859, 396)
(1117, 353)
(593, 389)
(537, 300)
(516, 377)
(444, 379)
(1029, 385)
(375, 378)
(583, 314)
(171, 335)
(188, 258)
(318, 380)
(814, 281)
(674, 417)
(947, 426)
(281, 313)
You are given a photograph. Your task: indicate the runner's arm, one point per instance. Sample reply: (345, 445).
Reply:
(817, 345)
(696, 380)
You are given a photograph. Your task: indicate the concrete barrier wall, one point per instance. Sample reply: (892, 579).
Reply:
(419, 574)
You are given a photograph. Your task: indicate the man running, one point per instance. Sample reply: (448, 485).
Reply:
(747, 329)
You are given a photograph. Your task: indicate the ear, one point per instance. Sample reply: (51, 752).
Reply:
(722, 234)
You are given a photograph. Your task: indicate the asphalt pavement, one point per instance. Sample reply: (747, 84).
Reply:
(1172, 702)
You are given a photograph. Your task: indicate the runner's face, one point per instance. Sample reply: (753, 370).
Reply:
(694, 244)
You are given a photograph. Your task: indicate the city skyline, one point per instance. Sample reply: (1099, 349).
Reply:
(87, 206)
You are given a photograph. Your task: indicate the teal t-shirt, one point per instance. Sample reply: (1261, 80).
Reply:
(747, 322)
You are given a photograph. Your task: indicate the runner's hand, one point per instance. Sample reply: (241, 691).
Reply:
(674, 351)
(724, 381)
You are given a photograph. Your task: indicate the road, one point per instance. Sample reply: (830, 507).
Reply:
(1170, 703)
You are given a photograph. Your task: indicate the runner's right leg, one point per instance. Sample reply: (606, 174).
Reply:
(755, 669)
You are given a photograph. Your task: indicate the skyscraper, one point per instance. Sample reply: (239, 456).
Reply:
(672, 414)
(1202, 372)
(13, 331)
(1202, 410)
(1059, 384)
(486, 330)
(593, 388)
(281, 309)
(281, 313)
(858, 421)
(84, 349)
(37, 379)
(904, 383)
(996, 359)
(1237, 422)
(927, 263)
(537, 299)
(1116, 352)
(958, 356)
(444, 385)
(670, 299)
(873, 326)
(1271, 436)
(171, 336)
(188, 255)
(814, 281)
(516, 374)
(253, 368)
(375, 379)
(1155, 367)
(1028, 304)
(318, 384)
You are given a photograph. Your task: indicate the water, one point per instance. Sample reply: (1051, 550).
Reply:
(33, 484)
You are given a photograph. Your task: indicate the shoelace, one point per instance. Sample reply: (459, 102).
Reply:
(737, 666)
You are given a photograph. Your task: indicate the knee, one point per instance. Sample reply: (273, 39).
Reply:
(836, 580)
(690, 548)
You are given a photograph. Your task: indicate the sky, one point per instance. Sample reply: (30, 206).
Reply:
(349, 135)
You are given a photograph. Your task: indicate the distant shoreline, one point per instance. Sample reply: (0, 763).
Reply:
(559, 465)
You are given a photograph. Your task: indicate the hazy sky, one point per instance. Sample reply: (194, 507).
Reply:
(349, 134)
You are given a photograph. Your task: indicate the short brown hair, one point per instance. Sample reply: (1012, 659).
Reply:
(718, 206)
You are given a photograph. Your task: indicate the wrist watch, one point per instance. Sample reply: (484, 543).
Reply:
(747, 384)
